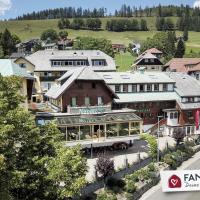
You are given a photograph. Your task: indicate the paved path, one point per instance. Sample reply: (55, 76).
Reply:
(156, 193)
(131, 155)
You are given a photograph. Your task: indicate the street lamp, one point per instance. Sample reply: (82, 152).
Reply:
(158, 132)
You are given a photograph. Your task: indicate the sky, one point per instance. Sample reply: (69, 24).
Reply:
(14, 8)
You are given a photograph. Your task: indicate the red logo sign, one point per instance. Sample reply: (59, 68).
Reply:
(174, 182)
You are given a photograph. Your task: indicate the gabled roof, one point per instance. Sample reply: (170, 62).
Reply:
(42, 59)
(149, 51)
(8, 68)
(153, 51)
(146, 56)
(180, 64)
(82, 73)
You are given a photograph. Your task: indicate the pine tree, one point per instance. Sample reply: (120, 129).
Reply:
(185, 34)
(180, 50)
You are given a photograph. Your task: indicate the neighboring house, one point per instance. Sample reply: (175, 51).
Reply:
(65, 44)
(49, 65)
(26, 47)
(85, 101)
(149, 62)
(190, 66)
(118, 47)
(185, 116)
(8, 68)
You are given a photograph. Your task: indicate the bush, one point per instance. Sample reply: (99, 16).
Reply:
(170, 161)
(105, 195)
(130, 187)
(152, 144)
(151, 167)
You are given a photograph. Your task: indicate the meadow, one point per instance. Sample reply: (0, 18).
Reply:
(27, 29)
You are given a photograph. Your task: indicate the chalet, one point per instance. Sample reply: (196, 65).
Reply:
(82, 104)
(149, 62)
(26, 47)
(49, 65)
(190, 66)
(8, 68)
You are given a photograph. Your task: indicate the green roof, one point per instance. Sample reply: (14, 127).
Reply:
(9, 68)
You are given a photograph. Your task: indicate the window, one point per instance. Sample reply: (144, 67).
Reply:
(134, 88)
(152, 59)
(93, 85)
(125, 88)
(141, 88)
(173, 115)
(156, 87)
(87, 101)
(165, 87)
(73, 102)
(190, 99)
(100, 101)
(146, 60)
(197, 76)
(22, 65)
(117, 88)
(47, 74)
(149, 87)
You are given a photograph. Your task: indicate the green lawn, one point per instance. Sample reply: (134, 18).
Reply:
(124, 61)
(28, 29)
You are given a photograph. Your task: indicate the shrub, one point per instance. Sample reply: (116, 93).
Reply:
(106, 195)
(170, 161)
(151, 167)
(152, 144)
(130, 187)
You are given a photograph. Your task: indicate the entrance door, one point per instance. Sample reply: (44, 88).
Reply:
(98, 131)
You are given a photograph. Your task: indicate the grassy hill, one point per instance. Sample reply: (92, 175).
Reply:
(28, 29)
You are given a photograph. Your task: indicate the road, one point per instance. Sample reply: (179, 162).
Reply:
(156, 193)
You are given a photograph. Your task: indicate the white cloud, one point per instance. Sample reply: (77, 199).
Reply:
(197, 4)
(4, 6)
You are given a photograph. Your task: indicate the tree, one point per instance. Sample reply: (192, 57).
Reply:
(143, 25)
(178, 136)
(49, 34)
(30, 156)
(7, 43)
(180, 50)
(89, 43)
(63, 35)
(104, 166)
(185, 34)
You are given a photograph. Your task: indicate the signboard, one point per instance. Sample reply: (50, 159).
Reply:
(181, 180)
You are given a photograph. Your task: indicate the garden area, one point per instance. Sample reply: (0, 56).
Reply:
(133, 184)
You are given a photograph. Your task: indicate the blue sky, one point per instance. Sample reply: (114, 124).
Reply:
(13, 8)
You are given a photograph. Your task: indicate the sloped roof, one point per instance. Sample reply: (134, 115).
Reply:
(8, 68)
(136, 77)
(82, 73)
(42, 59)
(153, 51)
(180, 64)
(149, 51)
(185, 84)
(146, 56)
